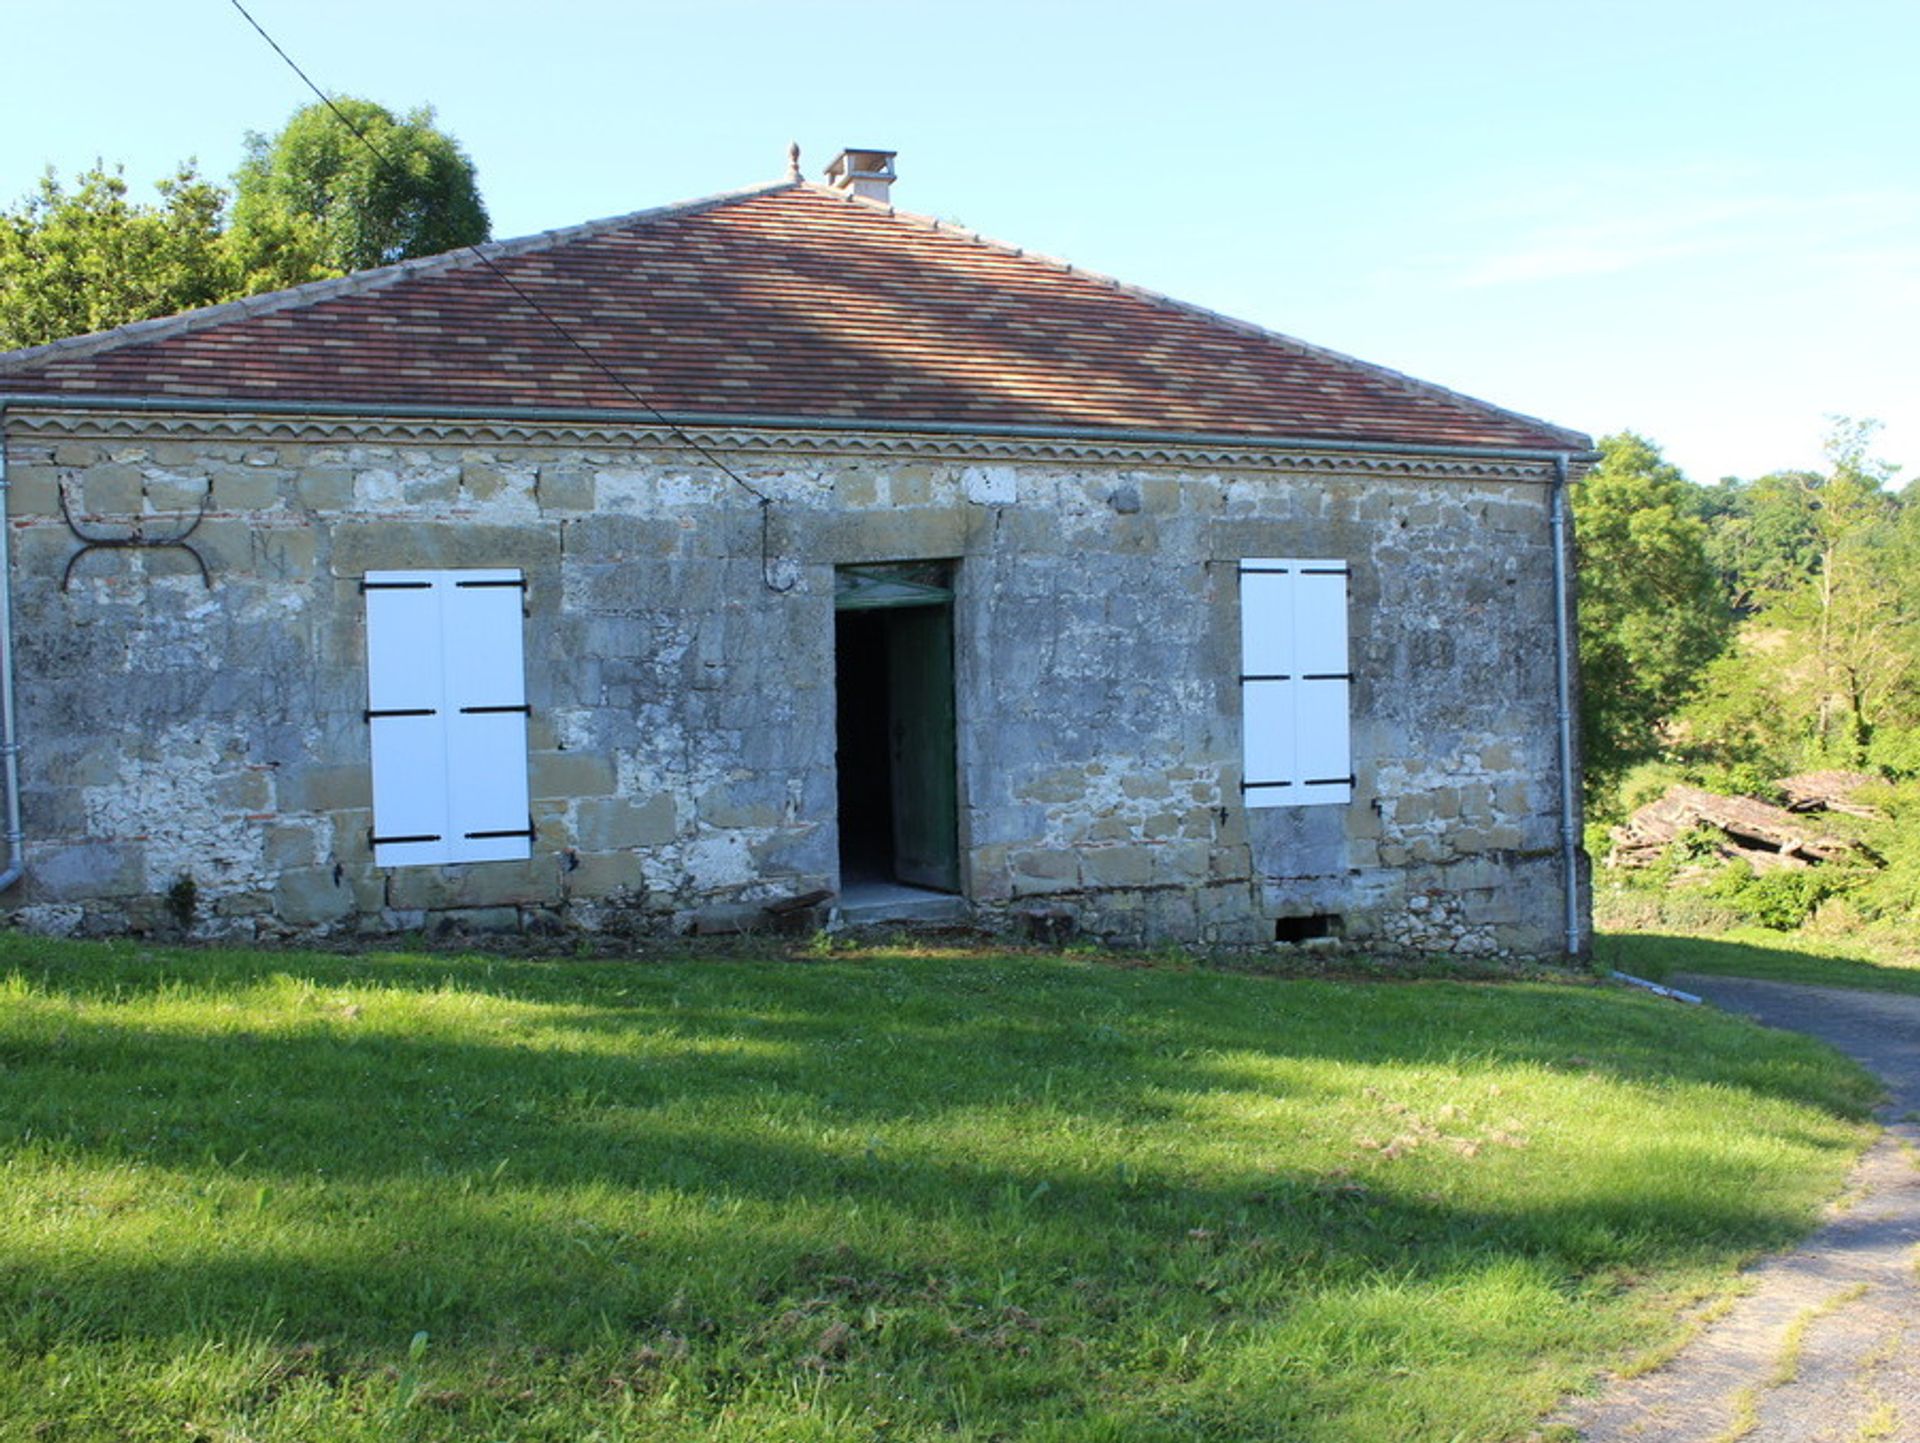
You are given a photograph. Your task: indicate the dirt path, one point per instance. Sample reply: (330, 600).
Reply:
(1826, 1348)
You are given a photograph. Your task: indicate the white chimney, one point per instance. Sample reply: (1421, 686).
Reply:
(866, 173)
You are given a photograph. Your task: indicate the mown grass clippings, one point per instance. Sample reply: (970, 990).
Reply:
(884, 1194)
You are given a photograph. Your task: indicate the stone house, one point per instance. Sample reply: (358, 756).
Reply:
(778, 550)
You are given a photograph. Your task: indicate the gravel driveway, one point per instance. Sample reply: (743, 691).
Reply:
(1826, 1348)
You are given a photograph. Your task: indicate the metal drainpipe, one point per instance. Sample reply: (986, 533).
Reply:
(9, 735)
(1563, 668)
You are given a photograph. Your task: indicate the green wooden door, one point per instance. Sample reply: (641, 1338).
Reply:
(920, 732)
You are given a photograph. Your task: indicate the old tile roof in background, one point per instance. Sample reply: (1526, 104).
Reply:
(790, 301)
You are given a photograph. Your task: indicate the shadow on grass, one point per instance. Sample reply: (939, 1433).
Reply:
(1659, 955)
(884, 1035)
(637, 1147)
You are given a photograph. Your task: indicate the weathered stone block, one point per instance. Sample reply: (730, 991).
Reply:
(991, 485)
(248, 791)
(485, 481)
(909, 486)
(242, 904)
(1162, 826)
(245, 489)
(311, 896)
(286, 555)
(52, 811)
(430, 485)
(40, 553)
(908, 535)
(1170, 914)
(324, 488)
(477, 920)
(369, 890)
(88, 869)
(326, 789)
(348, 836)
(33, 491)
(1414, 809)
(1497, 757)
(570, 774)
(609, 824)
(284, 847)
(802, 859)
(1064, 785)
(605, 875)
(1047, 864)
(725, 919)
(534, 882)
(1123, 866)
(1181, 862)
(109, 490)
(177, 496)
(390, 544)
(226, 545)
(564, 487)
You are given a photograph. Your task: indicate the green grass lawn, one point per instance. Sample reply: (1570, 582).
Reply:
(1880, 962)
(872, 1195)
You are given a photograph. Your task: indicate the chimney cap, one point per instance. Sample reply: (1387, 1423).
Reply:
(866, 173)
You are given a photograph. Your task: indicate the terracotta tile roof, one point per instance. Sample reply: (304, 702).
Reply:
(791, 301)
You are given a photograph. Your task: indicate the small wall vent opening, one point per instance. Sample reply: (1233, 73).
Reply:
(1306, 929)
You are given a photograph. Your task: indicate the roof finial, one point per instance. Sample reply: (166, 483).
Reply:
(793, 161)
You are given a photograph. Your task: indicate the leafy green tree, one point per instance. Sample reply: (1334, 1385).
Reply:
(1761, 535)
(1651, 611)
(1852, 618)
(311, 202)
(315, 201)
(87, 259)
(1828, 665)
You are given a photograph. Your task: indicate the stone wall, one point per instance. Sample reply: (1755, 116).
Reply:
(679, 650)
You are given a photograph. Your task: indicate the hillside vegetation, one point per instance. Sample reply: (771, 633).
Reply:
(1737, 637)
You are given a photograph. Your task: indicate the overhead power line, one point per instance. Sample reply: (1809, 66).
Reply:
(559, 328)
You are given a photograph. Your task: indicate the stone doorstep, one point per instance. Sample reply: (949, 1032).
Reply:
(872, 904)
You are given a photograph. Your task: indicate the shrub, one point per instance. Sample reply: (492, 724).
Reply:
(1781, 900)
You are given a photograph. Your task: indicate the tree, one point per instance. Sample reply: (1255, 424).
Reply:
(1651, 612)
(90, 259)
(1828, 667)
(1851, 618)
(1761, 535)
(312, 202)
(315, 201)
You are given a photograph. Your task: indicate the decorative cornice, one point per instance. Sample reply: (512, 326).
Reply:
(57, 423)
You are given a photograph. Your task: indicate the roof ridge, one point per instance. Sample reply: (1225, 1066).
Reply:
(1412, 384)
(357, 282)
(1068, 350)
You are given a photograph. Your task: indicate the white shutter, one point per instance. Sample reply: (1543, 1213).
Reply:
(1294, 682)
(405, 704)
(1324, 753)
(486, 719)
(447, 716)
(1266, 682)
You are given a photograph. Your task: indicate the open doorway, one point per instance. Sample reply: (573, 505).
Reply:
(893, 683)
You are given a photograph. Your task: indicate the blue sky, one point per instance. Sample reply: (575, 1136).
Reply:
(1697, 220)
